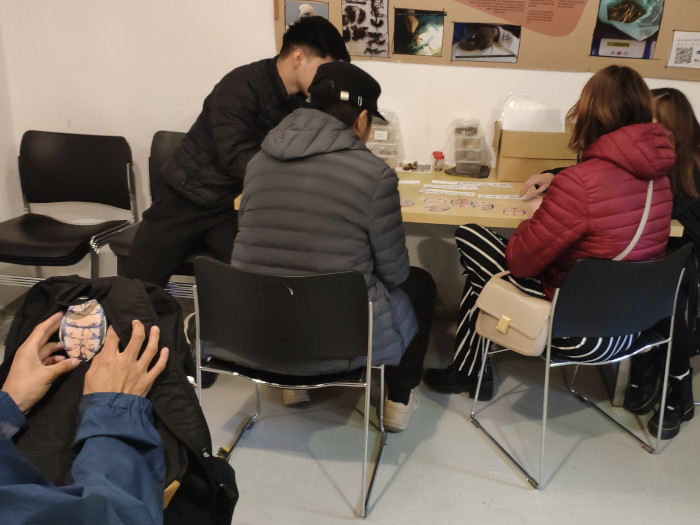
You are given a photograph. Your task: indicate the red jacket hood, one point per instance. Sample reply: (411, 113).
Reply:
(643, 150)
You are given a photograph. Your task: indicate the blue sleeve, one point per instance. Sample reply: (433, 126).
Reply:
(118, 473)
(11, 417)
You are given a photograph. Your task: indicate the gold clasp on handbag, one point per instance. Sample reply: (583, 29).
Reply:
(503, 324)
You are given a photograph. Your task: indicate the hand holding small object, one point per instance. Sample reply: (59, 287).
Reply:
(126, 372)
(36, 366)
(541, 180)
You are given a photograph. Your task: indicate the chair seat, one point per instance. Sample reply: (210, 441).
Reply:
(38, 240)
(353, 376)
(647, 340)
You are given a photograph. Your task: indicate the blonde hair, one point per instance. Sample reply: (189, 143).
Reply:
(614, 97)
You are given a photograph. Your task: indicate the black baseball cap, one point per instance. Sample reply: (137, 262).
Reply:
(349, 84)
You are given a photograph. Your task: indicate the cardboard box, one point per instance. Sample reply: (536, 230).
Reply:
(519, 154)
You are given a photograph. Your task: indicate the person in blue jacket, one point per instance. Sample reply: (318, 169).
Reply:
(119, 470)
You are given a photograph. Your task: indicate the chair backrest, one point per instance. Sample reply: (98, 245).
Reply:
(276, 321)
(68, 167)
(162, 147)
(612, 298)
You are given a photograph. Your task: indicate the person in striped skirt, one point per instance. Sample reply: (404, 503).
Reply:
(590, 210)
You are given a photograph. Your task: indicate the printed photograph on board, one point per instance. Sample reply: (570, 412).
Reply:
(365, 27)
(418, 32)
(485, 42)
(293, 11)
(685, 50)
(627, 28)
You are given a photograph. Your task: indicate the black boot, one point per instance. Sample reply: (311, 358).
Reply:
(679, 407)
(644, 388)
(451, 380)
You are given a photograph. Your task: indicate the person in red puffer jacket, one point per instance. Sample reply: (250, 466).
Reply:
(591, 210)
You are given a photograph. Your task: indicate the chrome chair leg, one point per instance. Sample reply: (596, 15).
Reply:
(507, 455)
(545, 408)
(367, 489)
(225, 452)
(368, 387)
(94, 264)
(484, 357)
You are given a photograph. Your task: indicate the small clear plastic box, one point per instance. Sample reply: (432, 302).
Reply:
(467, 166)
(391, 160)
(468, 142)
(382, 131)
(470, 154)
(467, 128)
(384, 148)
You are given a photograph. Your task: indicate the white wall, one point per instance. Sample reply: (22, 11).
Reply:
(136, 66)
(9, 184)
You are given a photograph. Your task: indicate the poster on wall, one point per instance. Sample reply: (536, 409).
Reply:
(366, 27)
(685, 50)
(549, 17)
(627, 28)
(293, 11)
(418, 32)
(485, 42)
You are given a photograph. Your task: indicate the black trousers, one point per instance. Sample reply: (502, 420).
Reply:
(405, 376)
(172, 229)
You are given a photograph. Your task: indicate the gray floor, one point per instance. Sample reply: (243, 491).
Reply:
(302, 466)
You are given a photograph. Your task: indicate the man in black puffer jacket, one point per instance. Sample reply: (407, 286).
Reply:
(195, 211)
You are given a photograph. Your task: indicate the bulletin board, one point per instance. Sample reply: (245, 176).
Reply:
(658, 38)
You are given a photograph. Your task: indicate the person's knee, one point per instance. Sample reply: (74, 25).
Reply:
(465, 232)
(424, 282)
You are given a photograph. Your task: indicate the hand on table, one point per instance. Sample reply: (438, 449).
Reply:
(35, 366)
(541, 180)
(125, 372)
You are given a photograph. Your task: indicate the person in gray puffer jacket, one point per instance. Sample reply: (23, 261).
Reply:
(316, 200)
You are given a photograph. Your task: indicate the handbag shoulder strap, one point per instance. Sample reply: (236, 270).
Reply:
(500, 274)
(642, 223)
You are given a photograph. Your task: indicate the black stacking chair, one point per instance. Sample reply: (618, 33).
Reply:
(602, 298)
(67, 167)
(163, 145)
(260, 327)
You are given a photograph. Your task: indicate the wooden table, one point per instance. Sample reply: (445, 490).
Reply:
(480, 207)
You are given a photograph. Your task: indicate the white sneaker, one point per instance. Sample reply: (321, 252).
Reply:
(397, 415)
(295, 397)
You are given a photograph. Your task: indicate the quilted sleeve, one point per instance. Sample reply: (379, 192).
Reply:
(559, 222)
(386, 235)
(234, 110)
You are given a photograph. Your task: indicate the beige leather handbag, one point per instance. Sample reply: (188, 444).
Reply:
(519, 321)
(512, 318)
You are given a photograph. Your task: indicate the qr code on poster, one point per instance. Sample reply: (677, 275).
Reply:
(684, 55)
